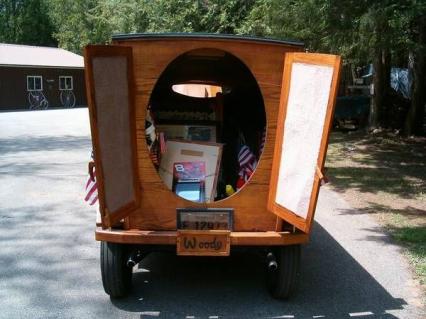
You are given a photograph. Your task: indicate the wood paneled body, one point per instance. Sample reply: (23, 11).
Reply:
(157, 203)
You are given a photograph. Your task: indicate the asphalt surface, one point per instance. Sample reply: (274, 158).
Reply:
(49, 260)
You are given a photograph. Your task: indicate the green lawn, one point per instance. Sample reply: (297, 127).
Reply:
(384, 175)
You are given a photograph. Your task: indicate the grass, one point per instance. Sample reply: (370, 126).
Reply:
(384, 175)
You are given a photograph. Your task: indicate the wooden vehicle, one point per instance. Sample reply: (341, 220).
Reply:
(265, 83)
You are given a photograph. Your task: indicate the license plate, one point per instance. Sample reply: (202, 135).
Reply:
(203, 243)
(204, 219)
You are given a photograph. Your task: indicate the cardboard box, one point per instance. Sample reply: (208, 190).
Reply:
(181, 151)
(202, 133)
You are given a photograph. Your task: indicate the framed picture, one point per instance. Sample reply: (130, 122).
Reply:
(179, 152)
(189, 180)
(201, 133)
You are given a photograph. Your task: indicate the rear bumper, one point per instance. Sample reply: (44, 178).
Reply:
(145, 237)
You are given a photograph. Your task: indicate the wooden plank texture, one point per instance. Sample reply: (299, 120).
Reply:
(203, 243)
(145, 237)
(333, 62)
(157, 203)
(115, 151)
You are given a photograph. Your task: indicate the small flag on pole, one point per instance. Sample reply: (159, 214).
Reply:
(91, 191)
(163, 146)
(262, 142)
(91, 185)
(247, 162)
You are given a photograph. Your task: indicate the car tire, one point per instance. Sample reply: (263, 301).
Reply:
(116, 276)
(282, 281)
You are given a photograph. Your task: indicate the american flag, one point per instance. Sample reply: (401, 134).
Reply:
(262, 142)
(154, 153)
(162, 139)
(91, 186)
(247, 162)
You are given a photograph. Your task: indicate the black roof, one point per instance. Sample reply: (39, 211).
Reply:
(132, 36)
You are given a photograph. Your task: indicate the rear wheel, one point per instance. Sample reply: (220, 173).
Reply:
(116, 276)
(282, 281)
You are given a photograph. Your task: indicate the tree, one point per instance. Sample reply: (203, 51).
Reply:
(376, 33)
(216, 16)
(74, 23)
(94, 21)
(80, 22)
(175, 16)
(25, 22)
(417, 68)
(362, 32)
(225, 16)
(303, 20)
(9, 15)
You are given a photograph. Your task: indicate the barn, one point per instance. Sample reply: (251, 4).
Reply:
(33, 77)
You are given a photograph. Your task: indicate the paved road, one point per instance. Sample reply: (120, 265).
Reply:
(49, 263)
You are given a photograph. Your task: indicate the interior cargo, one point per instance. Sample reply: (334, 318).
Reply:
(229, 112)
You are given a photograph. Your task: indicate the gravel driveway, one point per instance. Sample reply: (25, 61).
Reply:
(49, 260)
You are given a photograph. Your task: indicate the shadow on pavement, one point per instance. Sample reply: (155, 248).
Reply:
(371, 163)
(333, 285)
(43, 143)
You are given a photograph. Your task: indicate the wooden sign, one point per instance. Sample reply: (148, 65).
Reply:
(203, 243)
(184, 151)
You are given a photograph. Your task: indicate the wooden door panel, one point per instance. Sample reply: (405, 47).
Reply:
(109, 82)
(308, 95)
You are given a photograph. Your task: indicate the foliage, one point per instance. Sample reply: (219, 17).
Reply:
(175, 16)
(385, 32)
(353, 28)
(94, 21)
(80, 22)
(226, 16)
(382, 32)
(25, 22)
(216, 16)
(343, 27)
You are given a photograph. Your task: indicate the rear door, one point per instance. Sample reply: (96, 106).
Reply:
(110, 93)
(308, 94)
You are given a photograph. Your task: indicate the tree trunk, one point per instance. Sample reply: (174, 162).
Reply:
(385, 119)
(376, 110)
(417, 67)
(381, 68)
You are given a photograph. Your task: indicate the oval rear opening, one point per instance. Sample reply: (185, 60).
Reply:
(206, 125)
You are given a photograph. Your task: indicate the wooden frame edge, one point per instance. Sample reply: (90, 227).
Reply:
(91, 104)
(336, 64)
(90, 51)
(134, 236)
(334, 61)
